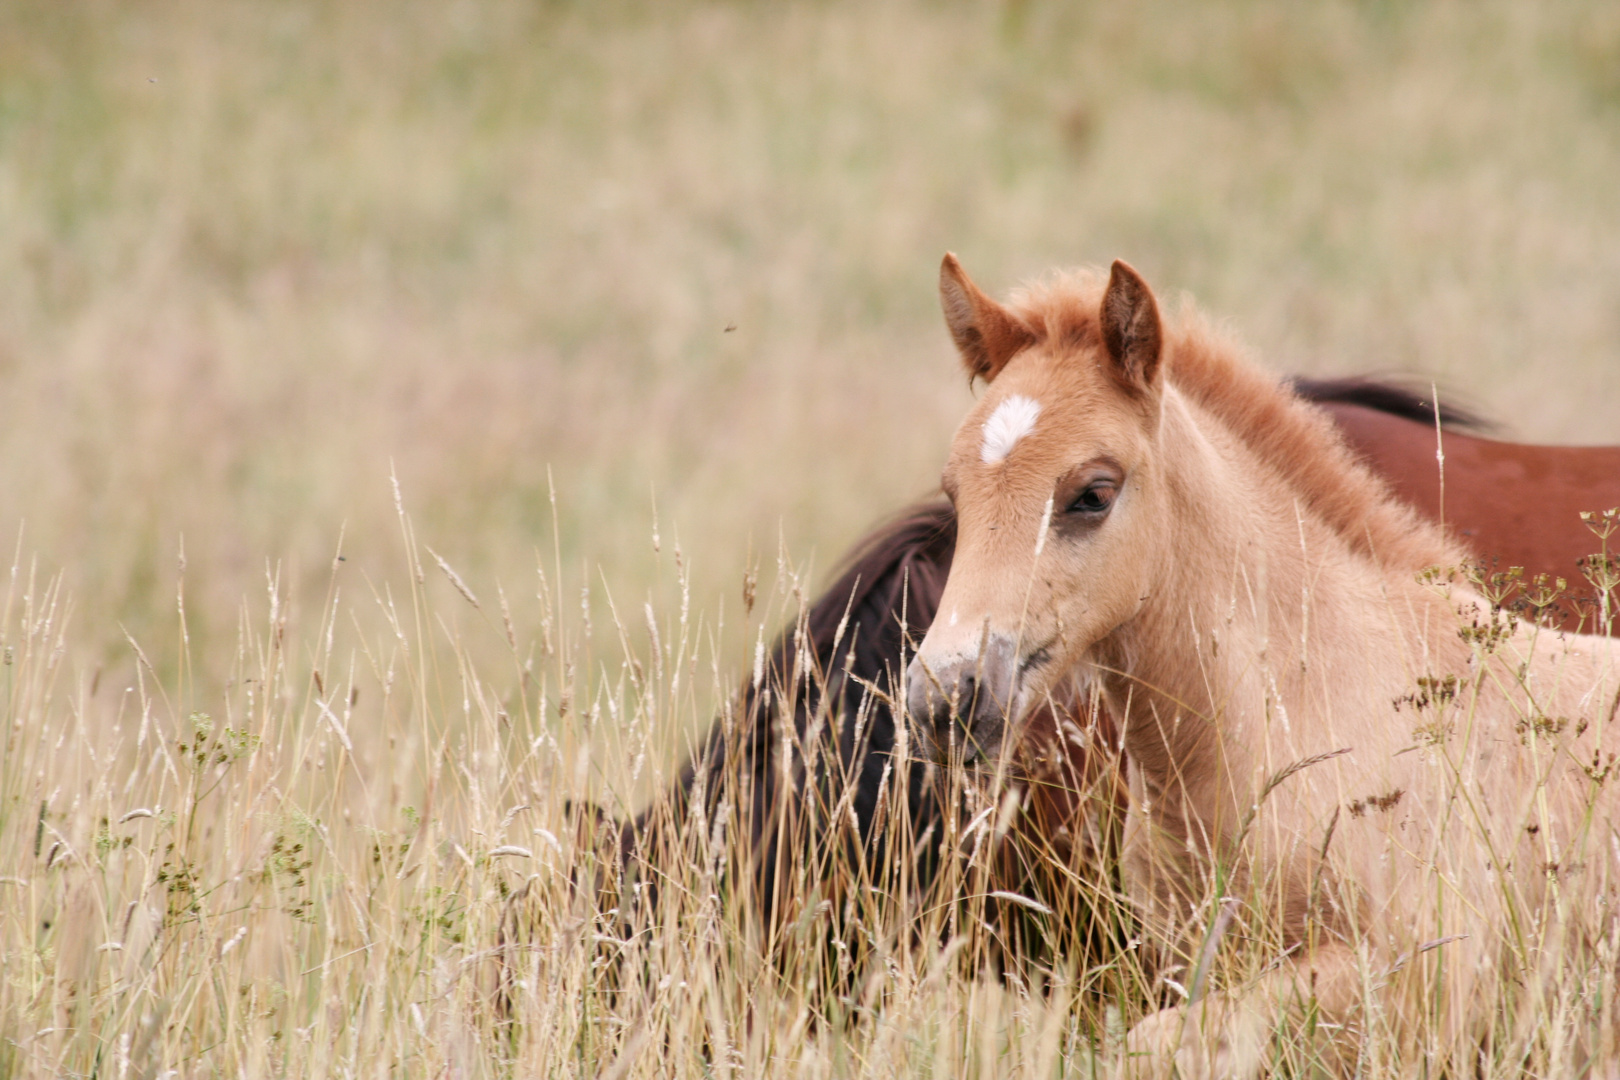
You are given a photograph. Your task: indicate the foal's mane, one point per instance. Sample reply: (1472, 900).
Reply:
(1295, 439)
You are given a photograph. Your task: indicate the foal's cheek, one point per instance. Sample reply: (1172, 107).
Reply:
(1101, 591)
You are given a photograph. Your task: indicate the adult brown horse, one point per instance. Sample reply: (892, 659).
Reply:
(1246, 598)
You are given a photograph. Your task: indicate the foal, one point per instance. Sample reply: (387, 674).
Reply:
(1388, 778)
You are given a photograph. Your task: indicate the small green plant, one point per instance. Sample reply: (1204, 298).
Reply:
(285, 870)
(177, 876)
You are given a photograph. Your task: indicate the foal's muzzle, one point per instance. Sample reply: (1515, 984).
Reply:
(961, 705)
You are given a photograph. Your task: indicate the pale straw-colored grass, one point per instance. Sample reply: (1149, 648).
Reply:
(358, 861)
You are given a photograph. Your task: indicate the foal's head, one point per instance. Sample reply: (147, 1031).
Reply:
(1058, 496)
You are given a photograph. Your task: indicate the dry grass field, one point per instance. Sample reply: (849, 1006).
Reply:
(396, 397)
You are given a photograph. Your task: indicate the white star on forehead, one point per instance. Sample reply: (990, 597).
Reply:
(1012, 420)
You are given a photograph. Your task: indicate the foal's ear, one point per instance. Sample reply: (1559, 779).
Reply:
(986, 334)
(1130, 327)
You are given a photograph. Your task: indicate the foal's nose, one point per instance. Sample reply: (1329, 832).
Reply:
(962, 700)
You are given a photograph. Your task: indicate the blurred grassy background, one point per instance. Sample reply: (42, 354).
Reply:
(253, 253)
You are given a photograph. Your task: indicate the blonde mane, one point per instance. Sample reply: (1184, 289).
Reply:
(1294, 438)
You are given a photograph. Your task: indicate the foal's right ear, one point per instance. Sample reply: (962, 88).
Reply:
(986, 334)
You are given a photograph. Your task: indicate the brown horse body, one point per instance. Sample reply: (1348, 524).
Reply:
(1511, 504)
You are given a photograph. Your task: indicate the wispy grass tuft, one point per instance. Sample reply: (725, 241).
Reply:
(370, 853)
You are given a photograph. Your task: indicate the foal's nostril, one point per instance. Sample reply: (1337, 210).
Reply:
(967, 698)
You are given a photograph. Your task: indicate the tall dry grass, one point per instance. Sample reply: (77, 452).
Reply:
(367, 857)
(675, 264)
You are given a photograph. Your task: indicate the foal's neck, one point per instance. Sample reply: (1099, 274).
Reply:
(1232, 630)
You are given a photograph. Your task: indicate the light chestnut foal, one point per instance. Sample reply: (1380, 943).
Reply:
(1406, 794)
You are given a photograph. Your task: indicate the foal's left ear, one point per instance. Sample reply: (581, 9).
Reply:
(986, 334)
(1130, 327)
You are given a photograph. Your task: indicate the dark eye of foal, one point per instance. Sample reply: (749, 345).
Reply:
(1096, 499)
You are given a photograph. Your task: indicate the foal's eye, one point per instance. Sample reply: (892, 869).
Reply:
(1096, 499)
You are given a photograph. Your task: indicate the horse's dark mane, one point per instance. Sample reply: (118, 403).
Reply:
(899, 569)
(857, 634)
(1402, 397)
